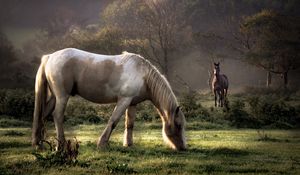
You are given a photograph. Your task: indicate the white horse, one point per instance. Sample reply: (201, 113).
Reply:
(126, 79)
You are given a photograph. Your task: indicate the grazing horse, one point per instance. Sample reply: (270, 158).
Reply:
(219, 86)
(126, 79)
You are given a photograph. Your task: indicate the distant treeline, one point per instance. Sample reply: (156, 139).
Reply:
(260, 33)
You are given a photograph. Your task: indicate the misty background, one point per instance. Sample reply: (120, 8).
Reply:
(182, 38)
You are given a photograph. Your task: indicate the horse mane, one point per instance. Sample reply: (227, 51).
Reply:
(160, 90)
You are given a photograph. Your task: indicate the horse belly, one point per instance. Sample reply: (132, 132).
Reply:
(98, 94)
(99, 82)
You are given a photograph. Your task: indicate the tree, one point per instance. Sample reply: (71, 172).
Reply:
(271, 41)
(154, 28)
(106, 40)
(7, 56)
(12, 72)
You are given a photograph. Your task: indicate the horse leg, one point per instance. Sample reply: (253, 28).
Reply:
(226, 90)
(215, 98)
(222, 98)
(219, 99)
(129, 123)
(58, 116)
(119, 110)
(50, 106)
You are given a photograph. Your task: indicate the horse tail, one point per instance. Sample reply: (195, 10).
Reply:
(41, 88)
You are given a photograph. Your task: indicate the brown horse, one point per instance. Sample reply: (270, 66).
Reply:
(219, 86)
(126, 79)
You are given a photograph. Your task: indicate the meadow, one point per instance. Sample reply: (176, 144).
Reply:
(228, 151)
(257, 134)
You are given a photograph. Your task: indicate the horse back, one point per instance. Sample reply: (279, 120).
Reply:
(98, 78)
(225, 81)
(220, 83)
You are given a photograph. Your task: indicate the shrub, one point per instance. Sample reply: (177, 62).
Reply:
(79, 107)
(9, 122)
(239, 117)
(17, 103)
(83, 119)
(80, 111)
(147, 112)
(192, 109)
(273, 112)
(13, 133)
(67, 155)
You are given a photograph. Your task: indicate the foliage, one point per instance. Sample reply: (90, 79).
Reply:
(18, 103)
(6, 122)
(106, 40)
(239, 117)
(14, 133)
(276, 92)
(147, 112)
(192, 109)
(80, 111)
(8, 57)
(65, 156)
(156, 29)
(273, 112)
(272, 42)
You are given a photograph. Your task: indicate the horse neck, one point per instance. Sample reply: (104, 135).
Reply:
(166, 106)
(217, 77)
(161, 93)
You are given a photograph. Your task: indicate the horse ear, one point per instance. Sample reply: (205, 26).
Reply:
(215, 64)
(177, 110)
(218, 63)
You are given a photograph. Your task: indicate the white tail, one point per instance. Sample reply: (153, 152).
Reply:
(41, 86)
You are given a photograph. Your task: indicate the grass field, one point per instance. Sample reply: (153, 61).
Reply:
(227, 151)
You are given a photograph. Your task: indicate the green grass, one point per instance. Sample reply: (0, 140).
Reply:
(214, 151)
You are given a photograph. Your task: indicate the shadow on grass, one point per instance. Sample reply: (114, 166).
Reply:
(162, 150)
(13, 133)
(218, 151)
(21, 167)
(4, 171)
(14, 144)
(248, 170)
(227, 152)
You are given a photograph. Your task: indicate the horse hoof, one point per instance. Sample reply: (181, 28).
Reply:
(127, 144)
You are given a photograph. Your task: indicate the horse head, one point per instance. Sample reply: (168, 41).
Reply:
(173, 130)
(216, 68)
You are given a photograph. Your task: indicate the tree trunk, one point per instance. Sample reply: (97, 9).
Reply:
(166, 64)
(285, 79)
(209, 79)
(166, 71)
(269, 79)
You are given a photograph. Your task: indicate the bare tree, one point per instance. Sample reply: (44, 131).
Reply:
(154, 28)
